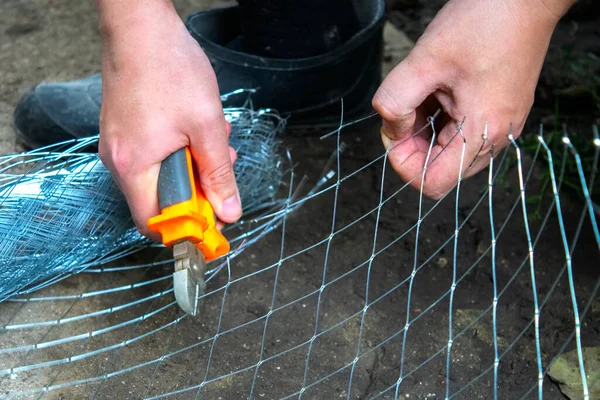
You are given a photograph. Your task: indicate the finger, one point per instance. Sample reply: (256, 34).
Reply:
(227, 129)
(233, 158)
(407, 156)
(139, 186)
(232, 152)
(140, 192)
(405, 88)
(213, 157)
(444, 162)
(232, 155)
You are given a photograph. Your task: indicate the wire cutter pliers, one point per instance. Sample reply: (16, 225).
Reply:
(187, 224)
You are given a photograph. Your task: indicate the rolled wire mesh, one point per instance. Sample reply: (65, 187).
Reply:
(60, 210)
(395, 296)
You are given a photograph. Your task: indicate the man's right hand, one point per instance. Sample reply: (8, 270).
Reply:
(160, 94)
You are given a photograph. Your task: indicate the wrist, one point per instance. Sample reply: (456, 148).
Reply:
(121, 20)
(136, 32)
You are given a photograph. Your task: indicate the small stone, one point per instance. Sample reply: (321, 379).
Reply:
(565, 371)
(442, 261)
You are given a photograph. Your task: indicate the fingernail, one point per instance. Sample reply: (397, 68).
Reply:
(232, 208)
(387, 142)
(387, 131)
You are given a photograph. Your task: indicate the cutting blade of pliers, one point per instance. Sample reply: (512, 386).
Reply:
(188, 279)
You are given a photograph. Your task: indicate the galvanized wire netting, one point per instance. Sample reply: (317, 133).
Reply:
(60, 210)
(392, 296)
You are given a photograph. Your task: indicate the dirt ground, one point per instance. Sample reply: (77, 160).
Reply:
(58, 40)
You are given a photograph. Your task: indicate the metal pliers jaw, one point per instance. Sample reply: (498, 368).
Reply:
(188, 278)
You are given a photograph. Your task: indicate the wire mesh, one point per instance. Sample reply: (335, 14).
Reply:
(393, 296)
(60, 210)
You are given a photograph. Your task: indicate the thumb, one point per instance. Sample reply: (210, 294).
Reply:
(210, 149)
(403, 90)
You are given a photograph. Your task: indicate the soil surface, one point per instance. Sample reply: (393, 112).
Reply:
(58, 40)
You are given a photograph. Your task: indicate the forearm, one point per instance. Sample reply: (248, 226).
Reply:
(136, 32)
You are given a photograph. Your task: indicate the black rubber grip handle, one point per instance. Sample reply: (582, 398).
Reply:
(174, 184)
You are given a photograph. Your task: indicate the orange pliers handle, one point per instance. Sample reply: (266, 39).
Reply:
(185, 212)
